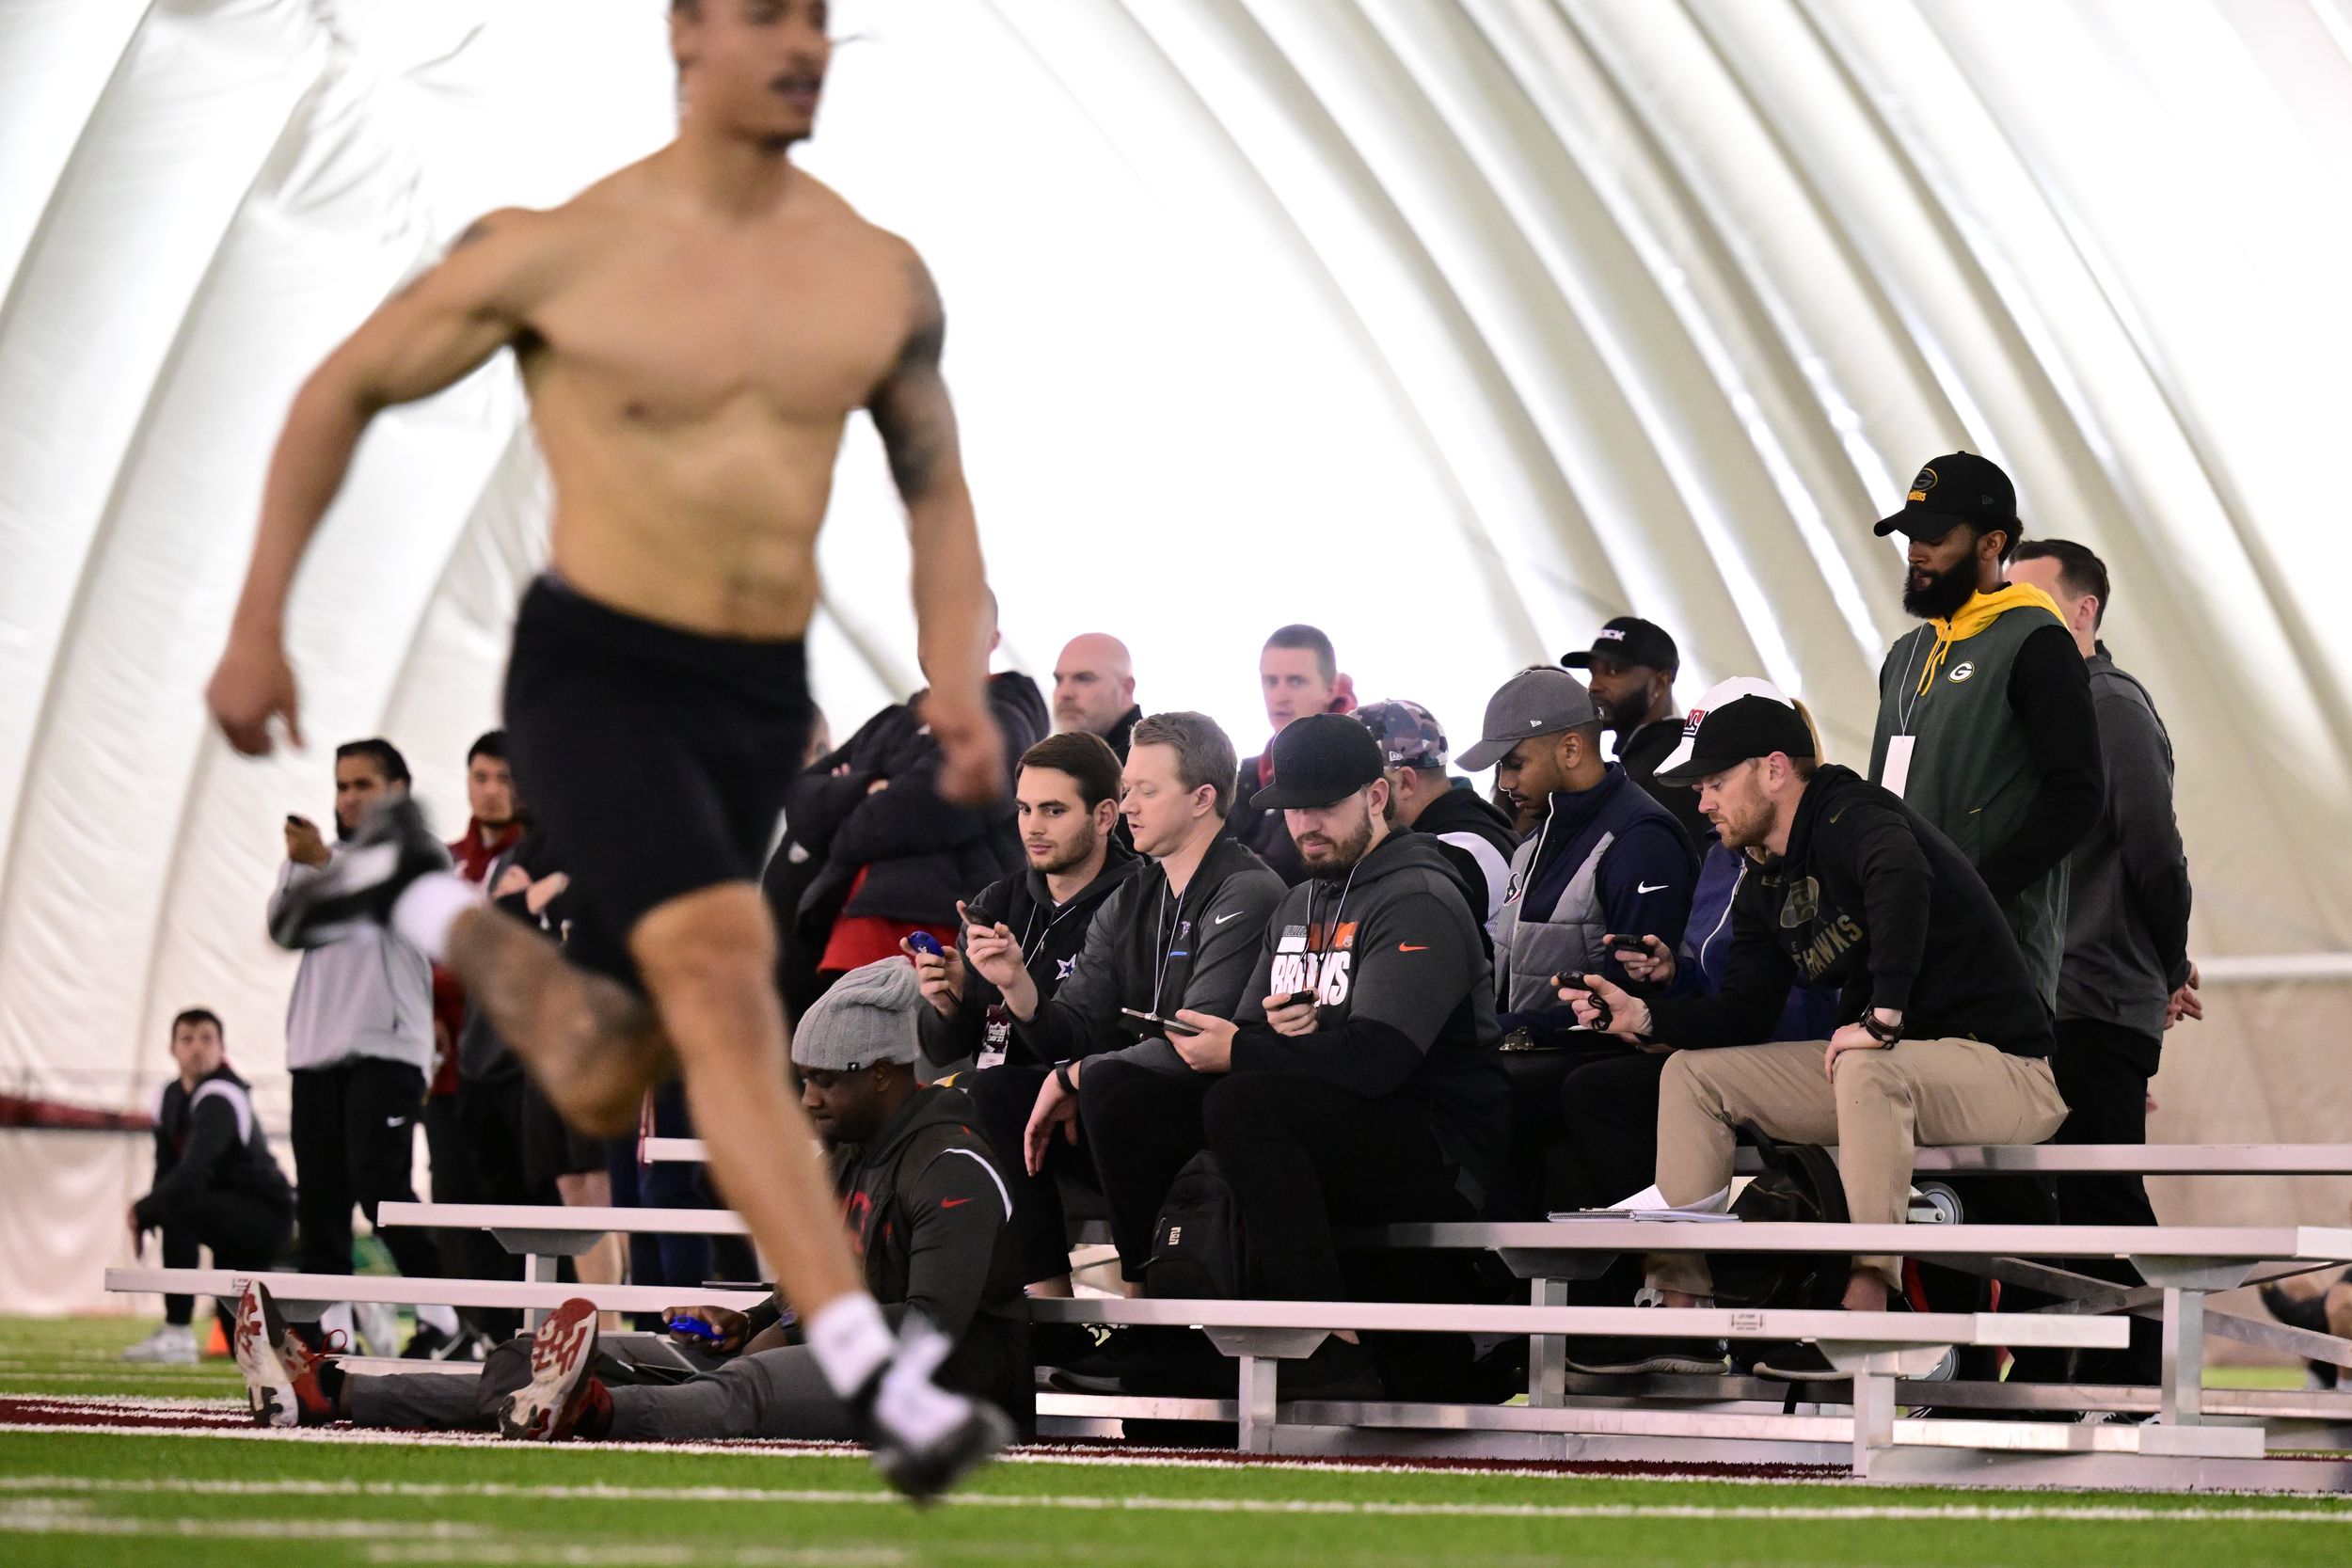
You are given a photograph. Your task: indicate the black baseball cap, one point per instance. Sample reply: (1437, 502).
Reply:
(1958, 488)
(1736, 720)
(1319, 759)
(1629, 640)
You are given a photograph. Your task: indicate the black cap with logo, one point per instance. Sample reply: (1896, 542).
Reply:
(1319, 759)
(1958, 488)
(1629, 640)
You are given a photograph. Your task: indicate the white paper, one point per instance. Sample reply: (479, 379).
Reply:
(1898, 771)
(1650, 1204)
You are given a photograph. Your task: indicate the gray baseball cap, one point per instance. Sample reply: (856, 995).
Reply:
(1542, 701)
(868, 1017)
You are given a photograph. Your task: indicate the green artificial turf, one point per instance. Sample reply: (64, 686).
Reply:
(192, 1501)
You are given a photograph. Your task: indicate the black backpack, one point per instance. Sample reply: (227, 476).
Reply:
(1196, 1242)
(1800, 1184)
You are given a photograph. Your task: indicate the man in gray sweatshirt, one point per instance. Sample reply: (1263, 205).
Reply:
(359, 1041)
(2126, 977)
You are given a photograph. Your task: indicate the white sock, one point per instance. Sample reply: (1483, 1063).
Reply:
(850, 1340)
(442, 1318)
(426, 908)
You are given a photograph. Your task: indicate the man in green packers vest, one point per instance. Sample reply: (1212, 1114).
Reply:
(1986, 726)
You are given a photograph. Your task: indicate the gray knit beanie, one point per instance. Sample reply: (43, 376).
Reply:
(868, 1017)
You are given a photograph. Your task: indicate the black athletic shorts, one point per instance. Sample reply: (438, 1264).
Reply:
(655, 759)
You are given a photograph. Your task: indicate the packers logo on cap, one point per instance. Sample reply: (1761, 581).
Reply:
(1921, 484)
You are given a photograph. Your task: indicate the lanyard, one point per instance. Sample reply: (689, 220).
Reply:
(1907, 699)
(1166, 944)
(1028, 952)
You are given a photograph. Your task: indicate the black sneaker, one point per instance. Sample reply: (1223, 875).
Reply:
(1621, 1354)
(429, 1343)
(392, 848)
(1336, 1371)
(1800, 1361)
(925, 1439)
(1097, 1359)
(1625, 1354)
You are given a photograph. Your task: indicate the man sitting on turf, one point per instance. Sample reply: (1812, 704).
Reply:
(927, 1210)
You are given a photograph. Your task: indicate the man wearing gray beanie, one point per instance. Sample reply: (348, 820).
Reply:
(927, 1210)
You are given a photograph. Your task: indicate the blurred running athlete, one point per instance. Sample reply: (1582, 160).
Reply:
(694, 331)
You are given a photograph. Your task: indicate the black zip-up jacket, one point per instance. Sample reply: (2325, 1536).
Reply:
(1147, 951)
(1871, 900)
(919, 853)
(1051, 938)
(209, 1140)
(1460, 814)
(1407, 1002)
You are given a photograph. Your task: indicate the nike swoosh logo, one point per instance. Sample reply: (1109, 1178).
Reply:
(1410, 948)
(1646, 887)
(1223, 918)
(395, 1121)
(952, 1202)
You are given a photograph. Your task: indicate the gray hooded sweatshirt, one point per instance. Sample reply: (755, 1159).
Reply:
(365, 993)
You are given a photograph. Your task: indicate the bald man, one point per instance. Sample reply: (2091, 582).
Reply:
(1094, 689)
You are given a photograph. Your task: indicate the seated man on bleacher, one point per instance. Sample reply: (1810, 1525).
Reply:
(1357, 1083)
(928, 1210)
(1945, 1039)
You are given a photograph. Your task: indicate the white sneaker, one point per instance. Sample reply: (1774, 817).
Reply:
(378, 1323)
(172, 1345)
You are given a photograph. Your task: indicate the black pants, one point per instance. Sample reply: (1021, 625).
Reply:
(490, 1119)
(1301, 1154)
(355, 1142)
(2103, 1072)
(1004, 1097)
(1609, 1113)
(454, 1178)
(243, 1232)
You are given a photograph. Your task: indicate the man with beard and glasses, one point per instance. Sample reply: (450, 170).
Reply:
(359, 1041)
(1986, 726)
(694, 332)
(1065, 801)
(1358, 1082)
(1631, 671)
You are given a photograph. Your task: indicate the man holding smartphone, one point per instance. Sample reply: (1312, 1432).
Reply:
(359, 1042)
(1358, 1082)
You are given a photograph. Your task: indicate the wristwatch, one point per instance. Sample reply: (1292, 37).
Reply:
(1885, 1034)
(1061, 1075)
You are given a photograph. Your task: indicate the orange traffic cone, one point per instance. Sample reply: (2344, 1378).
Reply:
(218, 1343)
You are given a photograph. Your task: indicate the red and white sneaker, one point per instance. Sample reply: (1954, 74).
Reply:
(563, 1387)
(281, 1383)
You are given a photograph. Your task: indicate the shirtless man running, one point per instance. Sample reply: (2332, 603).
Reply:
(693, 332)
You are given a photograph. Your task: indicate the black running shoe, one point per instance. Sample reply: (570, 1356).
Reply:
(430, 1344)
(1623, 1355)
(1800, 1361)
(2306, 1312)
(392, 848)
(925, 1439)
(1097, 1359)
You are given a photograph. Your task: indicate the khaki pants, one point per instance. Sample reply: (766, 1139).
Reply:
(1884, 1104)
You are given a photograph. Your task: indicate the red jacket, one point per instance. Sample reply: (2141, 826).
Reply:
(472, 858)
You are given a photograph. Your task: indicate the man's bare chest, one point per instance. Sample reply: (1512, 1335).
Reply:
(680, 338)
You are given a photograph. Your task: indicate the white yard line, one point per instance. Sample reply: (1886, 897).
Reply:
(1941, 1513)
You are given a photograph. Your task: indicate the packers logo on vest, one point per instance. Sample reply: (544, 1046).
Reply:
(1961, 672)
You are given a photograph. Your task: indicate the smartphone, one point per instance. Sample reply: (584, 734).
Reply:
(294, 821)
(974, 915)
(1148, 1025)
(1575, 983)
(1295, 998)
(923, 942)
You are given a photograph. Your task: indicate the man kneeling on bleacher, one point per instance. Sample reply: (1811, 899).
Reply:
(1946, 1038)
(926, 1208)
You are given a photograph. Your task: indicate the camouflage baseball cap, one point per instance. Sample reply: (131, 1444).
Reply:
(1409, 733)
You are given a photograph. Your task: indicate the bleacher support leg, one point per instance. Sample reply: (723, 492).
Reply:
(1547, 1353)
(2183, 1392)
(1873, 1412)
(1256, 1403)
